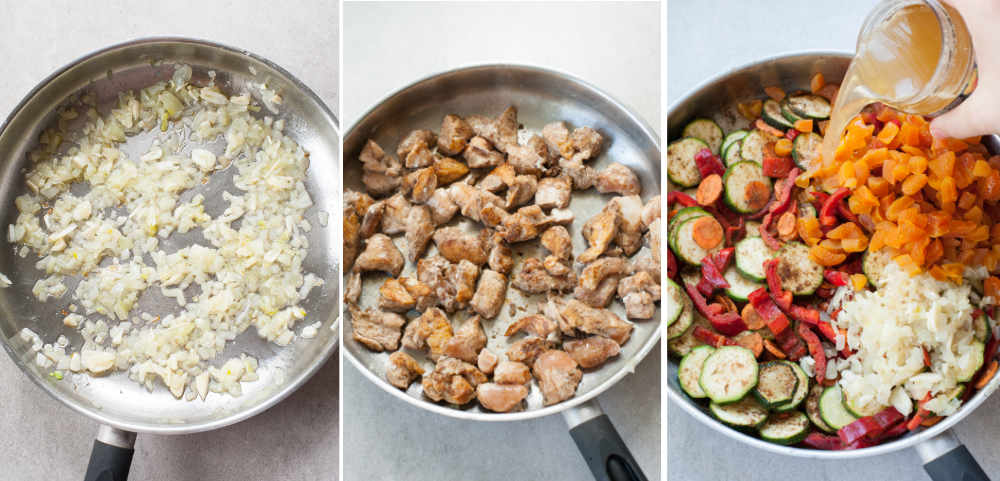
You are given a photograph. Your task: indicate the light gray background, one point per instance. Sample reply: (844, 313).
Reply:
(386, 46)
(298, 438)
(707, 37)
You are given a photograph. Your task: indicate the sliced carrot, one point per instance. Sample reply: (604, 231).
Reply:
(773, 349)
(752, 318)
(786, 224)
(752, 341)
(804, 125)
(776, 93)
(709, 190)
(987, 375)
(817, 83)
(757, 194)
(707, 232)
(764, 127)
(931, 421)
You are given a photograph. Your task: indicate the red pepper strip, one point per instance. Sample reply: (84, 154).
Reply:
(733, 231)
(825, 442)
(712, 338)
(845, 212)
(777, 166)
(676, 196)
(727, 323)
(860, 444)
(836, 278)
(712, 267)
(807, 315)
(671, 264)
(723, 258)
(765, 306)
(828, 213)
(769, 239)
(784, 198)
(824, 292)
(829, 332)
(708, 163)
(852, 266)
(790, 134)
(862, 428)
(819, 198)
(766, 210)
(886, 418)
(920, 415)
(816, 350)
(791, 345)
(784, 298)
(896, 431)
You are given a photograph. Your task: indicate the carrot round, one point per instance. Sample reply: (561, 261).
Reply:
(707, 232)
(752, 318)
(757, 195)
(752, 341)
(787, 224)
(987, 375)
(709, 190)
(773, 349)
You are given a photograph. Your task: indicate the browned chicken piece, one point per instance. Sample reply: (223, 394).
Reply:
(640, 281)
(421, 184)
(618, 179)
(352, 289)
(352, 236)
(468, 340)
(453, 381)
(492, 216)
(376, 330)
(432, 271)
(556, 266)
(597, 321)
(456, 244)
(380, 254)
(480, 154)
(501, 258)
(423, 294)
(597, 271)
(525, 160)
(487, 361)
(512, 372)
(523, 225)
(402, 370)
(372, 220)
(558, 376)
(591, 351)
(397, 210)
(449, 170)
(536, 143)
(419, 229)
(380, 184)
(393, 296)
(419, 156)
(644, 262)
(552, 308)
(431, 330)
(490, 294)
(381, 172)
(586, 143)
(600, 296)
(650, 212)
(533, 278)
(506, 128)
(454, 136)
(499, 178)
(527, 349)
(558, 217)
(653, 239)
(638, 293)
(534, 324)
(462, 285)
(500, 398)
(630, 228)
(558, 241)
(358, 201)
(556, 136)
(471, 200)
(553, 192)
(412, 139)
(599, 231)
(442, 207)
(583, 176)
(484, 127)
(521, 191)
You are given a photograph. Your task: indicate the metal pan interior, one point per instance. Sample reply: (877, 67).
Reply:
(717, 99)
(541, 96)
(114, 399)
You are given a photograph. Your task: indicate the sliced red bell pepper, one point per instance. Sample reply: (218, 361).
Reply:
(825, 442)
(712, 338)
(727, 323)
(818, 199)
(790, 134)
(828, 213)
(784, 198)
(765, 234)
(709, 163)
(816, 350)
(676, 196)
(894, 432)
(671, 264)
(733, 231)
(791, 345)
(830, 333)
(765, 306)
(860, 444)
(784, 298)
(777, 167)
(712, 267)
(837, 278)
(845, 212)
(860, 429)
(886, 418)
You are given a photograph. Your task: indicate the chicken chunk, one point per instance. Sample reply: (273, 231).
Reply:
(443, 209)
(453, 381)
(525, 160)
(556, 136)
(490, 294)
(525, 224)
(500, 398)
(597, 321)
(352, 236)
(556, 266)
(653, 239)
(380, 254)
(597, 271)
(553, 192)
(419, 156)
(487, 361)
(586, 142)
(498, 179)
(618, 179)
(536, 143)
(456, 244)
(480, 154)
(492, 216)
(650, 212)
(397, 210)
(558, 376)
(454, 136)
(552, 308)
(372, 220)
(583, 176)
(501, 258)
(413, 139)
(381, 184)
(558, 241)
(534, 324)
(599, 231)
(431, 330)
(421, 184)
(421, 293)
(601, 295)
(592, 351)
(484, 127)
(468, 340)
(630, 228)
(527, 349)
(512, 372)
(376, 330)
(393, 296)
(449, 170)
(419, 229)
(352, 290)
(533, 278)
(506, 130)
(462, 285)
(402, 370)
(381, 172)
(644, 262)
(521, 191)
(472, 200)
(638, 293)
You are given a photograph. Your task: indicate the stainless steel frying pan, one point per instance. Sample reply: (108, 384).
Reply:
(944, 457)
(541, 96)
(120, 405)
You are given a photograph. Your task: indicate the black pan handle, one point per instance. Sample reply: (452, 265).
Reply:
(607, 456)
(947, 459)
(111, 456)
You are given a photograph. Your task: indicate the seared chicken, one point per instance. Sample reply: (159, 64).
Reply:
(556, 136)
(393, 296)
(521, 191)
(372, 220)
(442, 207)
(382, 172)
(527, 349)
(558, 376)
(449, 170)
(596, 321)
(376, 330)
(454, 136)
(597, 271)
(553, 192)
(591, 351)
(599, 296)
(421, 184)
(480, 154)
(422, 294)
(650, 212)
(462, 285)
(534, 324)
(431, 330)
(583, 176)
(639, 292)
(419, 228)
(498, 179)
(586, 144)
(558, 241)
(397, 210)
(512, 372)
(490, 294)
(456, 244)
(616, 178)
(630, 229)
(506, 130)
(501, 398)
(525, 160)
(413, 139)
(533, 278)
(599, 231)
(352, 236)
(467, 341)
(487, 361)
(453, 381)
(380, 254)
(501, 258)
(419, 156)
(402, 370)
(352, 290)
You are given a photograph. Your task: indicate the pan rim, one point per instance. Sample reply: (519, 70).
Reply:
(297, 381)
(626, 369)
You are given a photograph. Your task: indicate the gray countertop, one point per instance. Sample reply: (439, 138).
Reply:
(613, 46)
(298, 438)
(708, 37)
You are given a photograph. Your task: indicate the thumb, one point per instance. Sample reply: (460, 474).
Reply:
(968, 119)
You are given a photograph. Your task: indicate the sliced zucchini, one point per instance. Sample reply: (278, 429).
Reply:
(978, 351)
(753, 228)
(685, 214)
(684, 319)
(806, 149)
(776, 384)
(728, 374)
(772, 115)
(873, 264)
(675, 301)
(787, 113)
(733, 137)
(859, 411)
(785, 428)
(681, 167)
(745, 413)
(810, 106)
(706, 130)
(690, 276)
(735, 181)
(682, 345)
(752, 146)
(981, 327)
(798, 272)
(812, 409)
(686, 248)
(751, 253)
(739, 286)
(731, 153)
(801, 390)
(832, 410)
(689, 370)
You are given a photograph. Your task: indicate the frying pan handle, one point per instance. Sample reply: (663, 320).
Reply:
(946, 459)
(606, 454)
(111, 456)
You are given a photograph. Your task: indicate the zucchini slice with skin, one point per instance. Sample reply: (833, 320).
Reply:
(742, 414)
(785, 428)
(798, 272)
(689, 370)
(776, 384)
(752, 146)
(832, 410)
(771, 114)
(684, 319)
(981, 327)
(685, 214)
(978, 351)
(706, 130)
(873, 264)
(728, 374)
(806, 149)
(787, 113)
(735, 181)
(686, 248)
(675, 301)
(681, 167)
(739, 286)
(812, 409)
(681, 345)
(750, 255)
(733, 137)
(810, 106)
(801, 390)
(731, 153)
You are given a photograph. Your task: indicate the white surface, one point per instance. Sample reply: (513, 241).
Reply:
(707, 37)
(298, 438)
(386, 46)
